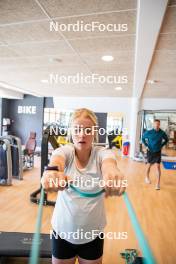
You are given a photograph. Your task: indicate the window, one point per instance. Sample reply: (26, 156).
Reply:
(52, 115)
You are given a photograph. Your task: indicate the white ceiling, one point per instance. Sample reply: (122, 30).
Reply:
(163, 66)
(29, 52)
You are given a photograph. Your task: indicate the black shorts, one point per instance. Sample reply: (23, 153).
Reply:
(62, 249)
(154, 157)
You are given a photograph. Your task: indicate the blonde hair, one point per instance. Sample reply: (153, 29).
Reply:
(87, 114)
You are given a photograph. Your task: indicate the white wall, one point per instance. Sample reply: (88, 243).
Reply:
(97, 104)
(158, 104)
(128, 106)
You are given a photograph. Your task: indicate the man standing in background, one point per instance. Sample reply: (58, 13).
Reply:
(154, 140)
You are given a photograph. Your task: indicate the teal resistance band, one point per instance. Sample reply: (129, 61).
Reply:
(36, 238)
(143, 244)
(146, 252)
(86, 194)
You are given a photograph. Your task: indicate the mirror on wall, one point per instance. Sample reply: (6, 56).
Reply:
(167, 123)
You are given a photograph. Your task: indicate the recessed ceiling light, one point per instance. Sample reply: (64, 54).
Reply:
(55, 60)
(151, 81)
(119, 88)
(107, 58)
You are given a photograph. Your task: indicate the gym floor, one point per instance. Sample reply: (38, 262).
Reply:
(114, 57)
(155, 211)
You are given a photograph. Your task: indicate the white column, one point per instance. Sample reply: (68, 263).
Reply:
(135, 107)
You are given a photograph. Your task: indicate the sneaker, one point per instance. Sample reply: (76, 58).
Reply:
(147, 180)
(157, 187)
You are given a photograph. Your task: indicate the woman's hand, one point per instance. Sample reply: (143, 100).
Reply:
(115, 183)
(54, 180)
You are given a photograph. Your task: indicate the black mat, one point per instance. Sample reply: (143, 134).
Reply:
(14, 244)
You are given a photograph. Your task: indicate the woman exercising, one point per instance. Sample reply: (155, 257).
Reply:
(78, 222)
